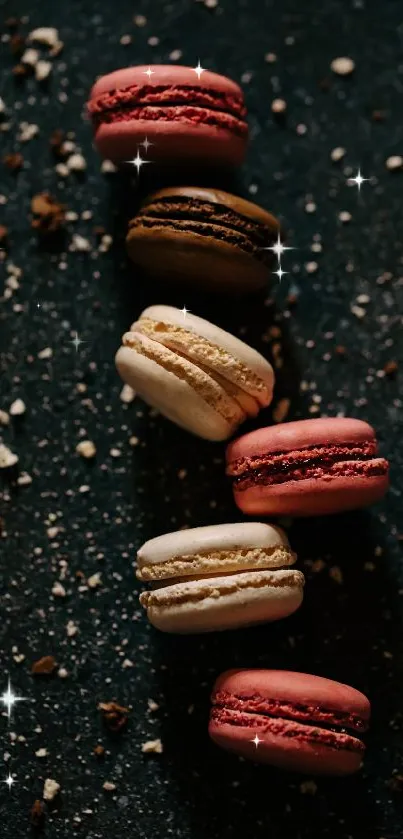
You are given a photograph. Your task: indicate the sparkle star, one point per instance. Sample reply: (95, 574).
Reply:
(138, 161)
(76, 341)
(9, 781)
(9, 699)
(280, 273)
(146, 144)
(149, 72)
(185, 312)
(198, 70)
(256, 740)
(358, 180)
(278, 248)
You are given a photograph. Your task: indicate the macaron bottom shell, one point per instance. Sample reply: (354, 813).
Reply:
(226, 602)
(191, 258)
(293, 752)
(312, 497)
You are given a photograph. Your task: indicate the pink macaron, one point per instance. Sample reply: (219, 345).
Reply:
(307, 468)
(291, 720)
(188, 116)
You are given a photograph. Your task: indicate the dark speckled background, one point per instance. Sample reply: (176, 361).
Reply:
(350, 626)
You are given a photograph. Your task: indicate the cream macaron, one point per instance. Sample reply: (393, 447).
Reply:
(199, 376)
(219, 577)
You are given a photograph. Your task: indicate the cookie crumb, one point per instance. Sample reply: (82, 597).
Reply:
(45, 666)
(127, 394)
(281, 410)
(99, 751)
(336, 574)
(7, 457)
(115, 716)
(51, 789)
(152, 747)
(337, 154)
(108, 786)
(37, 816)
(41, 753)
(394, 163)
(308, 788)
(391, 368)
(58, 590)
(17, 408)
(86, 448)
(342, 66)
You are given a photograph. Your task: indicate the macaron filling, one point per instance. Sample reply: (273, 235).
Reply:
(305, 713)
(331, 735)
(207, 219)
(201, 352)
(182, 103)
(325, 462)
(195, 591)
(217, 562)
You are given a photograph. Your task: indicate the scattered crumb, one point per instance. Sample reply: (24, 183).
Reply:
(107, 167)
(4, 418)
(115, 452)
(14, 161)
(86, 448)
(48, 214)
(46, 35)
(152, 747)
(115, 716)
(7, 457)
(76, 163)
(108, 786)
(345, 216)
(72, 629)
(337, 154)
(37, 816)
(50, 789)
(41, 753)
(152, 705)
(336, 574)
(127, 394)
(58, 590)
(99, 751)
(394, 162)
(62, 673)
(45, 666)
(281, 410)
(310, 207)
(42, 70)
(134, 441)
(94, 580)
(45, 353)
(343, 66)
(17, 408)
(279, 107)
(390, 368)
(308, 788)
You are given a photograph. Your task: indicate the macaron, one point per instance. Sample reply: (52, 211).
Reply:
(204, 238)
(307, 468)
(290, 720)
(187, 115)
(200, 377)
(219, 577)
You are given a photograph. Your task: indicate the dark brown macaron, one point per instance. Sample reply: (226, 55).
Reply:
(206, 237)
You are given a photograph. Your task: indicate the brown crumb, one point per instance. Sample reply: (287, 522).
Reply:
(378, 116)
(281, 410)
(99, 751)
(12, 23)
(292, 299)
(14, 161)
(48, 214)
(3, 235)
(115, 716)
(56, 141)
(20, 71)
(37, 817)
(17, 45)
(45, 666)
(391, 368)
(395, 783)
(336, 574)
(340, 351)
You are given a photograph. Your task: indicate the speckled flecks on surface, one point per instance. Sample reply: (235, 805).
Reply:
(70, 523)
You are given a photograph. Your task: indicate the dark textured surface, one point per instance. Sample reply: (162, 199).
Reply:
(350, 626)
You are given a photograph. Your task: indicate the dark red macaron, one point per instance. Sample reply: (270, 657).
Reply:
(307, 468)
(186, 115)
(295, 721)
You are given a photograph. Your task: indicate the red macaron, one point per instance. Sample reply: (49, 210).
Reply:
(187, 116)
(307, 468)
(291, 720)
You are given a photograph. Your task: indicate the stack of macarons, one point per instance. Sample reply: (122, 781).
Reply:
(209, 382)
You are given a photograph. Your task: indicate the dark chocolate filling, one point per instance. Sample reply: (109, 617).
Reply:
(208, 219)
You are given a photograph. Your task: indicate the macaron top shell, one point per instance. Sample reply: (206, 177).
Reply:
(219, 537)
(292, 436)
(221, 339)
(217, 196)
(300, 689)
(166, 75)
